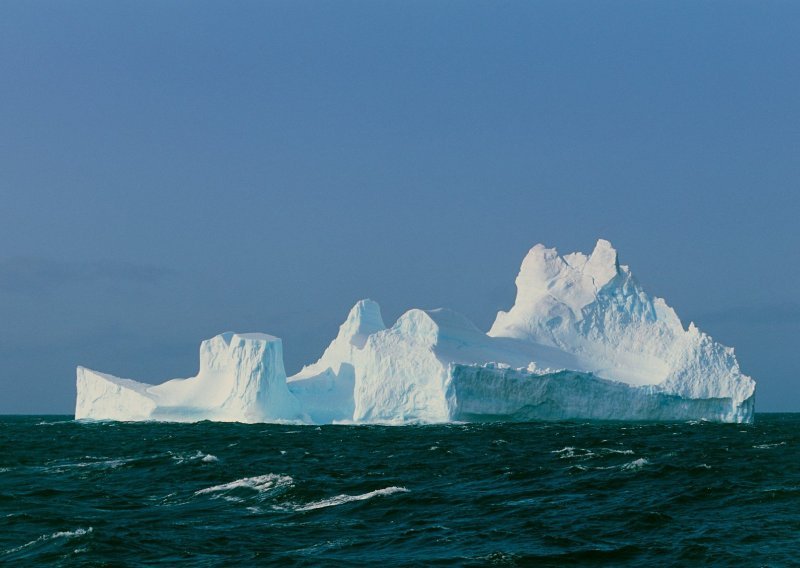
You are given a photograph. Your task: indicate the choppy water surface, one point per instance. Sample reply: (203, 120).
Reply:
(464, 494)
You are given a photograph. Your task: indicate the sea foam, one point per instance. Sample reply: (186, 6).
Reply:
(260, 483)
(342, 499)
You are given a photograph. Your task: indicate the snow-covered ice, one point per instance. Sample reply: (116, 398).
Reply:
(583, 340)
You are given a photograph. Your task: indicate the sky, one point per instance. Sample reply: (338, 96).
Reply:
(173, 170)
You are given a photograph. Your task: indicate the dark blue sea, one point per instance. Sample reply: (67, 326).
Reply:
(544, 494)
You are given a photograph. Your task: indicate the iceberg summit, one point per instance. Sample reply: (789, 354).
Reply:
(583, 340)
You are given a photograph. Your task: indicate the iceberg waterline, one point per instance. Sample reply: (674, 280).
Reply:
(583, 340)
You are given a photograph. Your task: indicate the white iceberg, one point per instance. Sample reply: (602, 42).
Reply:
(241, 379)
(582, 341)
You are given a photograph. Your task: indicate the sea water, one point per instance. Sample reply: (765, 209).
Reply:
(547, 494)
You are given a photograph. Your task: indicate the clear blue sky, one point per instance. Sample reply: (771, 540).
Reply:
(172, 170)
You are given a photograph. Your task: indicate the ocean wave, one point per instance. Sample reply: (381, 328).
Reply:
(260, 484)
(197, 456)
(786, 490)
(93, 462)
(572, 452)
(768, 446)
(342, 499)
(569, 452)
(614, 451)
(46, 537)
(517, 498)
(635, 464)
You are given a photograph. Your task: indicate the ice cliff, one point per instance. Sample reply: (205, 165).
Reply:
(583, 340)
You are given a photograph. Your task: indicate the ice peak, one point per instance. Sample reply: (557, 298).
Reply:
(363, 320)
(603, 244)
(544, 272)
(603, 264)
(539, 266)
(554, 291)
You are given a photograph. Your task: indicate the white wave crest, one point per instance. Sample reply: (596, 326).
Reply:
(635, 464)
(70, 534)
(342, 499)
(260, 483)
(46, 537)
(614, 451)
(93, 463)
(768, 446)
(570, 452)
(196, 456)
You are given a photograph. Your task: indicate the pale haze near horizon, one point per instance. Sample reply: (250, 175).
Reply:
(170, 171)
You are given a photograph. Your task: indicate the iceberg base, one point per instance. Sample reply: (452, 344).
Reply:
(487, 394)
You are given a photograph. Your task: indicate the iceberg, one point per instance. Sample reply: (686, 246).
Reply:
(582, 340)
(241, 379)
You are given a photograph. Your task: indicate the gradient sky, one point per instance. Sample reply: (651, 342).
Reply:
(172, 170)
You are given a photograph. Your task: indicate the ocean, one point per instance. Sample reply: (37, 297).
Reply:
(544, 494)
